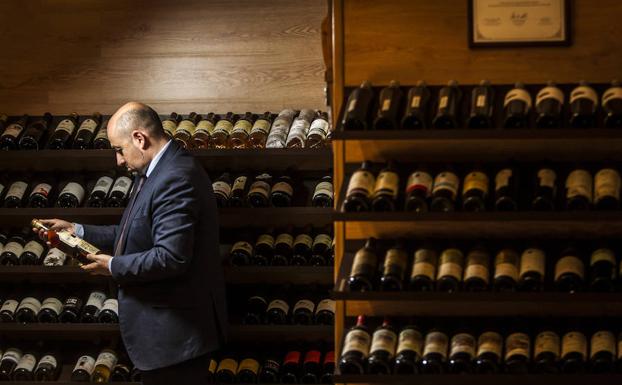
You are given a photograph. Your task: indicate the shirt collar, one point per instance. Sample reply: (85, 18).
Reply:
(156, 159)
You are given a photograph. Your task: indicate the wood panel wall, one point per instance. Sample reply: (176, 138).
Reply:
(412, 40)
(183, 55)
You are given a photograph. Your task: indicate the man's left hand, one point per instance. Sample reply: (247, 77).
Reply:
(99, 265)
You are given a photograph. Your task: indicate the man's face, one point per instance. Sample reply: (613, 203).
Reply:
(128, 150)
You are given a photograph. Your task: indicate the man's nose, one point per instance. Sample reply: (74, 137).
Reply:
(120, 160)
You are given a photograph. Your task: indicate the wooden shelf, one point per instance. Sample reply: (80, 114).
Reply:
(23, 216)
(297, 275)
(490, 379)
(59, 331)
(48, 274)
(270, 333)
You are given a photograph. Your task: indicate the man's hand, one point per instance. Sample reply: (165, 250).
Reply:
(99, 265)
(54, 224)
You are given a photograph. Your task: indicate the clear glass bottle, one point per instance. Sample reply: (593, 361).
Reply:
(241, 131)
(222, 130)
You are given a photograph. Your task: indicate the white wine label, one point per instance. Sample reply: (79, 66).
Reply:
(240, 183)
(242, 126)
(420, 180)
(228, 364)
(323, 239)
(66, 125)
(285, 238)
(279, 304)
(35, 248)
(603, 254)
(547, 342)
(17, 190)
(55, 257)
(242, 246)
(222, 188)
(476, 181)
(86, 248)
(481, 101)
(13, 355)
(305, 304)
(387, 182)
(112, 305)
(319, 127)
(547, 178)
(574, 342)
(74, 189)
(396, 257)
(436, 342)
(96, 299)
(223, 127)
(477, 265)
(265, 239)
(410, 339)
(107, 359)
(14, 247)
(86, 363)
(584, 92)
(386, 105)
(42, 189)
(103, 184)
(122, 185)
(603, 341)
(205, 127)
(89, 125)
(27, 363)
(250, 365)
(352, 105)
(447, 181)
(186, 127)
(363, 259)
(550, 92)
(490, 342)
(569, 264)
(463, 343)
(533, 260)
(503, 178)
(612, 93)
(518, 94)
(357, 341)
(49, 360)
(283, 187)
(607, 184)
(303, 239)
(443, 102)
(260, 187)
(325, 188)
(53, 304)
(451, 264)
(9, 306)
(169, 126)
(415, 102)
(361, 181)
(325, 305)
(261, 126)
(31, 304)
(517, 344)
(13, 130)
(506, 264)
(384, 340)
(579, 183)
(425, 263)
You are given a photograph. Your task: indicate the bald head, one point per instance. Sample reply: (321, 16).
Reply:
(135, 116)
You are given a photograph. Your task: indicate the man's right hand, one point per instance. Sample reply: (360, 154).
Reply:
(56, 225)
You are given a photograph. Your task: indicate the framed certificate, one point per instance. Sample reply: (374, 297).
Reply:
(498, 23)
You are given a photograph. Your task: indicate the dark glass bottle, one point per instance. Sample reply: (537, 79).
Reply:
(72, 308)
(51, 308)
(120, 192)
(121, 372)
(304, 308)
(222, 189)
(545, 190)
(506, 270)
(86, 132)
(417, 102)
(278, 311)
(423, 274)
(574, 352)
(73, 192)
(109, 313)
(602, 350)
(203, 133)
(259, 191)
(569, 271)
(49, 366)
(546, 351)
(612, 105)
(489, 352)
(418, 191)
(261, 130)
(549, 106)
(328, 368)
(462, 352)
(25, 369)
(389, 106)
(27, 310)
(482, 102)
(358, 108)
(532, 270)
(248, 370)
(477, 270)
(321, 248)
(394, 271)
(290, 371)
(8, 363)
(517, 107)
(13, 249)
(360, 188)
(450, 269)
(506, 190)
(302, 247)
(323, 193)
(475, 191)
(33, 253)
(256, 307)
(282, 191)
(101, 141)
(242, 251)
(445, 191)
(325, 311)
(270, 370)
(35, 135)
(448, 107)
(227, 369)
(383, 347)
(409, 350)
(607, 185)
(434, 360)
(364, 268)
(64, 131)
(9, 140)
(9, 306)
(16, 194)
(356, 346)
(579, 192)
(93, 306)
(517, 351)
(101, 190)
(312, 365)
(384, 196)
(583, 106)
(238, 191)
(283, 248)
(264, 249)
(40, 195)
(602, 270)
(83, 369)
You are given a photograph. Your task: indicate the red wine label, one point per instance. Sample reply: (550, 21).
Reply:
(384, 340)
(223, 127)
(186, 127)
(579, 183)
(169, 127)
(506, 264)
(112, 305)
(204, 127)
(222, 188)
(477, 265)
(517, 344)
(387, 183)
(436, 342)
(12, 355)
(447, 181)
(547, 178)
(574, 342)
(17, 190)
(325, 305)
(584, 92)
(122, 185)
(304, 304)
(396, 257)
(249, 364)
(357, 341)
(547, 342)
(451, 264)
(285, 239)
(35, 248)
(313, 356)
(607, 184)
(242, 246)
(490, 342)
(55, 257)
(42, 189)
(228, 364)
(476, 181)
(66, 125)
(569, 264)
(242, 126)
(503, 178)
(323, 239)
(329, 358)
(240, 183)
(265, 239)
(425, 263)
(13, 247)
(420, 180)
(603, 254)
(323, 188)
(363, 259)
(319, 127)
(463, 343)
(53, 304)
(13, 130)
(410, 339)
(612, 93)
(27, 363)
(9, 306)
(89, 125)
(103, 184)
(48, 360)
(603, 341)
(533, 260)
(519, 94)
(261, 126)
(96, 299)
(361, 182)
(86, 363)
(279, 304)
(31, 304)
(292, 357)
(550, 92)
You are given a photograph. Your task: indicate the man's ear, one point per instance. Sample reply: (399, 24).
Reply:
(140, 139)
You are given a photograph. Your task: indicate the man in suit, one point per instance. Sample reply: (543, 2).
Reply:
(164, 254)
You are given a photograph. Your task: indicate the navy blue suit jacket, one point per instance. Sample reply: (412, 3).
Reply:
(171, 295)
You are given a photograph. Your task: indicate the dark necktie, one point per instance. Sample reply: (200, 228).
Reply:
(118, 248)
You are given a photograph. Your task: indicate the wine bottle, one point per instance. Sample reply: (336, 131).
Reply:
(423, 273)
(33, 252)
(450, 270)
(302, 247)
(25, 369)
(506, 190)
(462, 352)
(358, 108)
(9, 306)
(35, 135)
(211, 371)
(109, 313)
(248, 370)
(222, 130)
(27, 310)
(93, 306)
(602, 351)
(360, 189)
(607, 189)
(602, 270)
(290, 371)
(121, 372)
(86, 132)
(51, 308)
(545, 190)
(259, 191)
(238, 191)
(311, 365)
(13, 249)
(475, 191)
(222, 189)
(304, 308)
(434, 360)
(242, 250)
(41, 194)
(67, 242)
(16, 195)
(242, 129)
(270, 369)
(549, 105)
(489, 352)
(517, 107)
(72, 308)
(417, 102)
(106, 360)
(546, 351)
(8, 363)
(264, 249)
(532, 270)
(101, 191)
(409, 350)
(569, 271)
(64, 131)
(482, 102)
(323, 193)
(73, 193)
(583, 106)
(282, 191)
(9, 140)
(389, 106)
(356, 346)
(202, 136)
(612, 105)
(256, 307)
(300, 128)
(101, 141)
(574, 352)
(517, 352)
(448, 108)
(83, 369)
(319, 131)
(260, 131)
(325, 312)
(328, 368)
(383, 347)
(136, 375)
(120, 192)
(278, 310)
(418, 191)
(363, 273)
(506, 270)
(579, 190)
(186, 129)
(49, 366)
(445, 191)
(477, 271)
(283, 248)
(394, 270)
(280, 129)
(384, 195)
(170, 124)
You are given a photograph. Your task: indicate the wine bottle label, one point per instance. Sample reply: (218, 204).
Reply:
(17, 190)
(363, 259)
(204, 127)
(325, 305)
(169, 126)
(420, 180)
(547, 342)
(603, 341)
(66, 125)
(481, 101)
(292, 357)
(53, 304)
(12, 355)
(73, 302)
(490, 342)
(517, 344)
(242, 126)
(265, 239)
(386, 105)
(361, 182)
(122, 185)
(584, 92)
(463, 343)
(304, 304)
(547, 177)
(283, 187)
(35, 248)
(303, 239)
(612, 93)
(384, 340)
(260, 187)
(285, 239)
(9, 306)
(228, 364)
(607, 184)
(14, 247)
(415, 102)
(503, 178)
(324, 188)
(477, 265)
(299, 130)
(102, 133)
(27, 363)
(443, 101)
(451, 264)
(506, 264)
(89, 125)
(240, 183)
(319, 127)
(112, 305)
(323, 239)
(96, 299)
(579, 183)
(550, 92)
(31, 304)
(424, 264)
(396, 258)
(436, 342)
(242, 246)
(357, 341)
(329, 358)
(279, 305)
(13, 130)
(213, 365)
(186, 127)
(569, 264)
(574, 342)
(249, 364)
(74, 189)
(603, 254)
(313, 356)
(518, 94)
(107, 359)
(447, 181)
(261, 126)
(476, 181)
(222, 188)
(387, 183)
(223, 127)
(279, 131)
(55, 257)
(410, 339)
(48, 359)
(533, 260)
(41, 189)
(103, 184)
